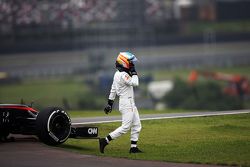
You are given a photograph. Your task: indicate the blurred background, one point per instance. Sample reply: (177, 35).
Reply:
(193, 54)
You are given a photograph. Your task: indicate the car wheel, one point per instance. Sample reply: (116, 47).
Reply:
(4, 133)
(53, 125)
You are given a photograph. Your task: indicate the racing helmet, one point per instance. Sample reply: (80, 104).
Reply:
(124, 59)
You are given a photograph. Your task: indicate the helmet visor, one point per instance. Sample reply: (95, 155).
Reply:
(134, 59)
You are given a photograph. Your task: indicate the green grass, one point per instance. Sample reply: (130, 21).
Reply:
(206, 140)
(42, 92)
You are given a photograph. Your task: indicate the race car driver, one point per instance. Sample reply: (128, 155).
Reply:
(125, 78)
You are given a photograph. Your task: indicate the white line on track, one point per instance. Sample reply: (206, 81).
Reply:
(171, 117)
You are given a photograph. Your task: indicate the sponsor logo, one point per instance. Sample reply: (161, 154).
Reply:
(5, 117)
(92, 131)
(127, 77)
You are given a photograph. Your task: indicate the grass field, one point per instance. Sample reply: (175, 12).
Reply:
(223, 140)
(42, 92)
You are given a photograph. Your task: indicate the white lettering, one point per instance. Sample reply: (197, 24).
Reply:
(92, 131)
(6, 117)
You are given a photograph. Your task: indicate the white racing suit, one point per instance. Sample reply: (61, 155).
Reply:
(123, 87)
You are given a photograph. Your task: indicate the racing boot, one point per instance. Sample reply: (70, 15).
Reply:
(135, 150)
(102, 144)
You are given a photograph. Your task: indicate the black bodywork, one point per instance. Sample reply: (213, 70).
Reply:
(52, 125)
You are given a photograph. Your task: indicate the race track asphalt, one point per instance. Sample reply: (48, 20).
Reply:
(27, 151)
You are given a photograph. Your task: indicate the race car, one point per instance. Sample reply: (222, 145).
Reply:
(51, 125)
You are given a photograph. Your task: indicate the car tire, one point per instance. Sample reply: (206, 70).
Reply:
(4, 133)
(53, 125)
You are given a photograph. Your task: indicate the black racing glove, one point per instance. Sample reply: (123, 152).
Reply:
(109, 106)
(132, 69)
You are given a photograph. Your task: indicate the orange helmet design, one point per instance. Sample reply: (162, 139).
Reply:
(125, 58)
